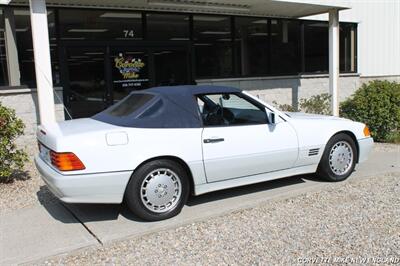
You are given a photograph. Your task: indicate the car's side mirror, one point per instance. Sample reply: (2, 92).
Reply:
(272, 117)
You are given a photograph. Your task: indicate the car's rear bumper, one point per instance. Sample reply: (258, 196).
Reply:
(365, 147)
(84, 188)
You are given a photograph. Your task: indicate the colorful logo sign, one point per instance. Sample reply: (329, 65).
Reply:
(129, 67)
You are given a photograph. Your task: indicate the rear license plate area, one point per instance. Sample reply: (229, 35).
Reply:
(44, 153)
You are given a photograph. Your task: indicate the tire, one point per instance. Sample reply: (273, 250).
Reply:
(339, 158)
(157, 190)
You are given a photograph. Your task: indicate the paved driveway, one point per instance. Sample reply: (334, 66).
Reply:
(50, 229)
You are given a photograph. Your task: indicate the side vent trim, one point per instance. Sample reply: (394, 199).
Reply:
(313, 152)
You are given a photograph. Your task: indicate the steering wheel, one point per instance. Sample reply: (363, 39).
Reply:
(213, 115)
(218, 115)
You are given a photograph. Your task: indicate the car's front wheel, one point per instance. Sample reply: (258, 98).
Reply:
(157, 190)
(339, 158)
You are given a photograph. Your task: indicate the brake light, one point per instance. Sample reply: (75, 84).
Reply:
(66, 161)
(366, 132)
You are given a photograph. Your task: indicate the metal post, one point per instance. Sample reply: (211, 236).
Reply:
(334, 59)
(41, 49)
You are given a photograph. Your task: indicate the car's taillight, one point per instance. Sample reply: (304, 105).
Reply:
(66, 161)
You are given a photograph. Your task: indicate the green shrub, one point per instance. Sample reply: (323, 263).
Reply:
(284, 107)
(317, 104)
(376, 104)
(12, 159)
(394, 137)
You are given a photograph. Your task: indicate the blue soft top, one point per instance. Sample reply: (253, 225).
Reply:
(161, 107)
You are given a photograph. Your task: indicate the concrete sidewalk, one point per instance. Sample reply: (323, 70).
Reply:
(33, 233)
(43, 231)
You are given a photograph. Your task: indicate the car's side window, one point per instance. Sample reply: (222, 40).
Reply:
(229, 109)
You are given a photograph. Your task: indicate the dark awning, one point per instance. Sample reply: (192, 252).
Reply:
(265, 8)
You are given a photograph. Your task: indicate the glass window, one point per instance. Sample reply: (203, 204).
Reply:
(213, 46)
(167, 27)
(25, 47)
(316, 46)
(251, 45)
(86, 88)
(170, 67)
(229, 109)
(3, 58)
(130, 104)
(78, 24)
(285, 46)
(348, 59)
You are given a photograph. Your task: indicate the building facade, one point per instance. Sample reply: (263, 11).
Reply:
(102, 50)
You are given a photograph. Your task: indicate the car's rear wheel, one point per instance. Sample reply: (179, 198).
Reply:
(157, 190)
(339, 158)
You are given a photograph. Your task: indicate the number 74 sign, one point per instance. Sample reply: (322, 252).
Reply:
(129, 33)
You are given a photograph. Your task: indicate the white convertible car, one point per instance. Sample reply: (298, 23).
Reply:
(157, 146)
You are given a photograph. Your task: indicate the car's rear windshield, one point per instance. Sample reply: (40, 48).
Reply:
(130, 104)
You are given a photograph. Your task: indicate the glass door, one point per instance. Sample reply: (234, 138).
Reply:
(87, 89)
(129, 71)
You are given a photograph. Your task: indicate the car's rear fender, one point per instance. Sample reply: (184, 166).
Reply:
(87, 139)
(127, 149)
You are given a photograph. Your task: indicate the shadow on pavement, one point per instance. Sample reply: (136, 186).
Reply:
(249, 189)
(106, 212)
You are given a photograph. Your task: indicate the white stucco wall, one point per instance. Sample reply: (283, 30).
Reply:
(25, 104)
(378, 34)
(289, 89)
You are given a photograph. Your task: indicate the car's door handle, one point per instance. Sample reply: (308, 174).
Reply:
(213, 140)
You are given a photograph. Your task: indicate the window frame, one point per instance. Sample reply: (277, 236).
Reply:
(240, 95)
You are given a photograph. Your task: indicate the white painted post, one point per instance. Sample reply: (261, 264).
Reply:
(41, 50)
(334, 59)
(10, 35)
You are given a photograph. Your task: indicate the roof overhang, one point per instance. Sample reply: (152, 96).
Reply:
(270, 8)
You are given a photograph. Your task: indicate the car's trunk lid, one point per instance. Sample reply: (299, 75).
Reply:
(51, 135)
